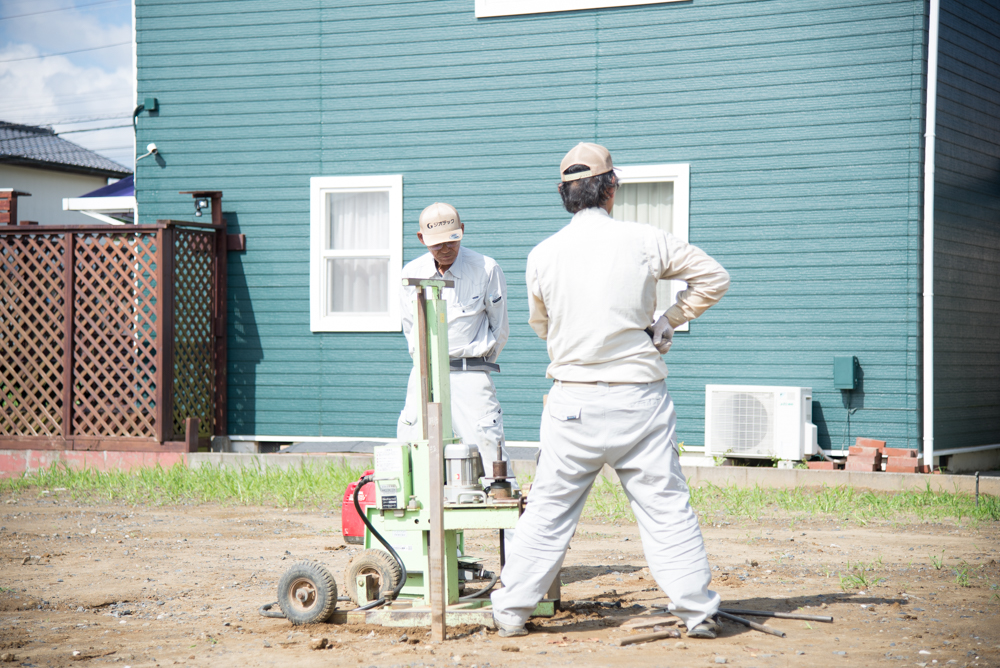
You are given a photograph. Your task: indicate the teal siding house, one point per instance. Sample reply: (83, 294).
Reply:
(785, 137)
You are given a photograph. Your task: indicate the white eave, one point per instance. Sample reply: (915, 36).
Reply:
(100, 207)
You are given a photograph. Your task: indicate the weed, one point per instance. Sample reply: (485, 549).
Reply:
(937, 562)
(858, 577)
(962, 575)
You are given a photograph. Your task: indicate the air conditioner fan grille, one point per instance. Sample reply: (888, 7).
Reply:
(742, 422)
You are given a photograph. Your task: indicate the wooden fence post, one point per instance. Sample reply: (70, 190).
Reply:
(69, 313)
(165, 335)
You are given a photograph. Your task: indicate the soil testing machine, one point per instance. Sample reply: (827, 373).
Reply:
(413, 571)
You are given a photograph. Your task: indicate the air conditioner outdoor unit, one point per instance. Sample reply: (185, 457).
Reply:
(759, 421)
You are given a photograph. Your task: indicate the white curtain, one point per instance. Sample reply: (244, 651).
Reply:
(358, 221)
(651, 203)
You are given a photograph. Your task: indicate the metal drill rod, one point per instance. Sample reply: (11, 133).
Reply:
(648, 637)
(754, 625)
(778, 615)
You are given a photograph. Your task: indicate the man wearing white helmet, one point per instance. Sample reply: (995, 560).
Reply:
(477, 331)
(591, 296)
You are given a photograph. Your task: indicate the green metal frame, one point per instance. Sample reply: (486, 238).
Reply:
(402, 471)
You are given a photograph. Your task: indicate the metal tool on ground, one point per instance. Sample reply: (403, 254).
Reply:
(754, 625)
(777, 615)
(420, 498)
(648, 637)
(647, 622)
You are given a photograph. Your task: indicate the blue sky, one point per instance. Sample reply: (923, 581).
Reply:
(86, 89)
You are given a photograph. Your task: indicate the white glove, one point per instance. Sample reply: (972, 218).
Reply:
(663, 335)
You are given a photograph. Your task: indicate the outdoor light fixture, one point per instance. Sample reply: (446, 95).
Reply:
(150, 150)
(199, 204)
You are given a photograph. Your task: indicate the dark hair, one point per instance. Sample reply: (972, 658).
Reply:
(588, 192)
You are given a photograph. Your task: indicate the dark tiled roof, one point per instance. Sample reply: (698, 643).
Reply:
(40, 147)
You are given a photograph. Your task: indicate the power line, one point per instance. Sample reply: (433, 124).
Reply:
(61, 9)
(65, 53)
(74, 121)
(60, 102)
(108, 148)
(109, 127)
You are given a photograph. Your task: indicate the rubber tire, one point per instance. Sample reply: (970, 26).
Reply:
(377, 562)
(317, 583)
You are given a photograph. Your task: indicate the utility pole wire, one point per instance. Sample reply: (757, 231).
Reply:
(109, 127)
(61, 9)
(65, 53)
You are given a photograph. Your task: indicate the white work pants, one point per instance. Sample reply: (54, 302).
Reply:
(632, 429)
(476, 418)
(475, 413)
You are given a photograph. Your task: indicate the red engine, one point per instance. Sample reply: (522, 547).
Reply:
(350, 523)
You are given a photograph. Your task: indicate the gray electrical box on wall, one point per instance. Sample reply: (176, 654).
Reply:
(845, 373)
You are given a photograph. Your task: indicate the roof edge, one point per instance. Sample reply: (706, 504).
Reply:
(61, 167)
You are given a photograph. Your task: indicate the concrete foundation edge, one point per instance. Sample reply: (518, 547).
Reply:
(14, 463)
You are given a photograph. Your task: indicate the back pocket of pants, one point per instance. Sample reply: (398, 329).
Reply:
(564, 412)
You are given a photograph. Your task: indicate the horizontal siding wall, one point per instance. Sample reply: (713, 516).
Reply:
(801, 120)
(967, 228)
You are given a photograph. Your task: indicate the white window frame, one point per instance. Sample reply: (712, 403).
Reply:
(319, 319)
(680, 175)
(487, 8)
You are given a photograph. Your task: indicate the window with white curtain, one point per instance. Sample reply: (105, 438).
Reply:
(356, 253)
(656, 195)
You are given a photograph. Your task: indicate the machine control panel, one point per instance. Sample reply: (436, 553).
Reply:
(392, 476)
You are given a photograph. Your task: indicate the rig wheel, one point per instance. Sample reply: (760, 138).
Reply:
(375, 562)
(307, 593)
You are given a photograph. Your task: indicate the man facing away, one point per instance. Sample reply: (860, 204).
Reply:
(477, 331)
(591, 296)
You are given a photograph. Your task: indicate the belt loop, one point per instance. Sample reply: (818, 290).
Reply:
(465, 364)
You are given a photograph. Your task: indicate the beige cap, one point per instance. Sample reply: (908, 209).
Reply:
(439, 223)
(594, 156)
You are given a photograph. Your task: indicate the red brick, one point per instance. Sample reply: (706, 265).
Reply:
(874, 460)
(869, 442)
(900, 452)
(854, 465)
(823, 466)
(902, 461)
(902, 468)
(865, 452)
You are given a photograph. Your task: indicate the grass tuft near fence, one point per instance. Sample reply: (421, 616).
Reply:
(323, 486)
(300, 487)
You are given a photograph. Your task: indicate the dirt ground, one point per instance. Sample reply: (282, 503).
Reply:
(92, 584)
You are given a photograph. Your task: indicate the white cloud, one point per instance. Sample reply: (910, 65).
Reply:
(94, 84)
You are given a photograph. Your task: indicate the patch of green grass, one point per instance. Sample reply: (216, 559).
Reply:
(962, 575)
(323, 486)
(608, 501)
(859, 576)
(299, 487)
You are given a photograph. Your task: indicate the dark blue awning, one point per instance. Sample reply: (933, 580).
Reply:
(123, 188)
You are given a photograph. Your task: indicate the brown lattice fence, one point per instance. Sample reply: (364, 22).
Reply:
(111, 337)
